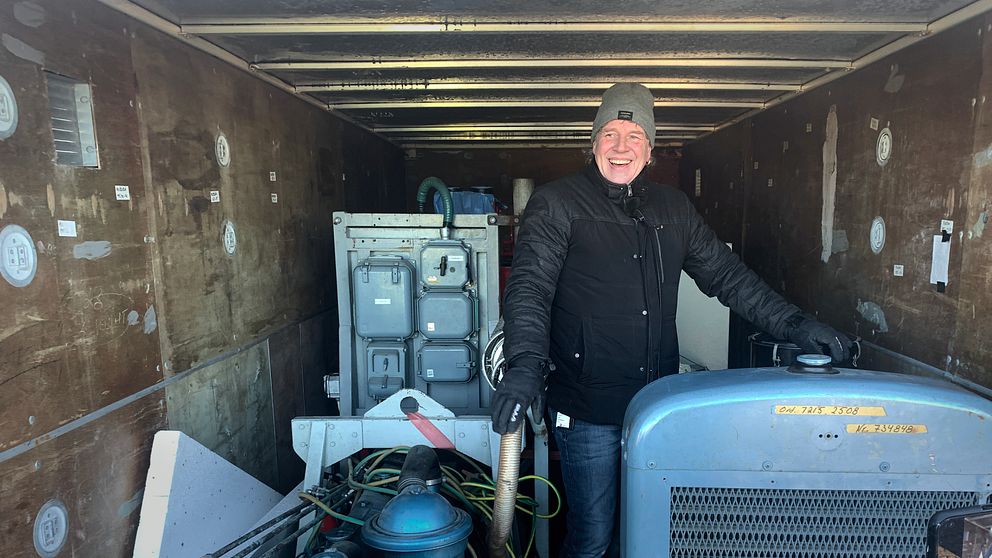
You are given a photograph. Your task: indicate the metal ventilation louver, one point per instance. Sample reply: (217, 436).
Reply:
(70, 104)
(773, 523)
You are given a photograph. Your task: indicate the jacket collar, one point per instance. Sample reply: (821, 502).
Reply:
(628, 196)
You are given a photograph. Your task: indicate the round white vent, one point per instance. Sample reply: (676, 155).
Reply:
(51, 528)
(883, 147)
(230, 238)
(876, 235)
(8, 110)
(19, 258)
(223, 151)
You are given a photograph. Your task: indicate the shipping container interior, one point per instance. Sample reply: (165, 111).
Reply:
(169, 170)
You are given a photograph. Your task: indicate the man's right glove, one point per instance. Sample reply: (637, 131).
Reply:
(522, 385)
(811, 336)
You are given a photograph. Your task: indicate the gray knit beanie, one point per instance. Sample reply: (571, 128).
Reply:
(627, 101)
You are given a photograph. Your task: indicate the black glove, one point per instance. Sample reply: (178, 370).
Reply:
(522, 386)
(812, 335)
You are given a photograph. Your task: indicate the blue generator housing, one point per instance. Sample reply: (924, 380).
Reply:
(797, 463)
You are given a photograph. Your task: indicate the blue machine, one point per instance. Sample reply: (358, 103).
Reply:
(799, 462)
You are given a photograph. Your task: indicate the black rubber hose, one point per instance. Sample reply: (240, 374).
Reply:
(420, 466)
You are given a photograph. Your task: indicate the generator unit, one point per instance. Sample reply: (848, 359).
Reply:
(416, 303)
(806, 461)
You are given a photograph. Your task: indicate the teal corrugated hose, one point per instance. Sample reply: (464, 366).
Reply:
(442, 190)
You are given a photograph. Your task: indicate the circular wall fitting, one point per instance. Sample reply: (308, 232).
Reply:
(230, 238)
(8, 110)
(51, 528)
(222, 150)
(876, 235)
(18, 257)
(883, 147)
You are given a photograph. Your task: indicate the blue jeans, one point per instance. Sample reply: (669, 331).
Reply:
(590, 467)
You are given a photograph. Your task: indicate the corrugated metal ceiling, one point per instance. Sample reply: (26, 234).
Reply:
(475, 72)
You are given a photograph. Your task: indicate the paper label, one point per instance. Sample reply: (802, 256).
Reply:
(430, 372)
(456, 258)
(272, 176)
(562, 420)
(275, 197)
(873, 124)
(430, 326)
(941, 258)
(886, 429)
(214, 196)
(122, 192)
(946, 226)
(898, 270)
(833, 410)
(67, 228)
(383, 301)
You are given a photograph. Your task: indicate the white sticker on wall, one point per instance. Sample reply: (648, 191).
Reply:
(20, 259)
(272, 176)
(214, 196)
(275, 197)
(222, 150)
(67, 228)
(8, 110)
(51, 529)
(122, 192)
(809, 127)
(898, 270)
(873, 124)
(230, 238)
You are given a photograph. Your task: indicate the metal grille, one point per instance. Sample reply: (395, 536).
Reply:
(762, 523)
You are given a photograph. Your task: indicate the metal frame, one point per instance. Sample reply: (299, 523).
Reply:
(451, 85)
(336, 26)
(604, 62)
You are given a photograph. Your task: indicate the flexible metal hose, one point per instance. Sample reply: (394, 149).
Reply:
(506, 492)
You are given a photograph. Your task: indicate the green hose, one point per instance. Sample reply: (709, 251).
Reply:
(442, 190)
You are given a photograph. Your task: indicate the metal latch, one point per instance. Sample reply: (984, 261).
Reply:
(332, 386)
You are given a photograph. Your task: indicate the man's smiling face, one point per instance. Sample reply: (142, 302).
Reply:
(621, 150)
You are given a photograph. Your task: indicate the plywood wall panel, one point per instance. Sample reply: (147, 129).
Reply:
(930, 97)
(98, 472)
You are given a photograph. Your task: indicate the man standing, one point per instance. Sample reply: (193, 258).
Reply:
(593, 292)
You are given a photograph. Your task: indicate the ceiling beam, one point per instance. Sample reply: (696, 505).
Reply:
(307, 26)
(522, 103)
(437, 85)
(617, 61)
(520, 145)
(527, 126)
(504, 136)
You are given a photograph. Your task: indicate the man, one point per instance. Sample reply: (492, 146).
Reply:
(593, 292)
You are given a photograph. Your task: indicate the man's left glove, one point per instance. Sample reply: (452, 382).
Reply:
(812, 335)
(522, 385)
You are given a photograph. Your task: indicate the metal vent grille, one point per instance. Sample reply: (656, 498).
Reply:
(71, 107)
(763, 523)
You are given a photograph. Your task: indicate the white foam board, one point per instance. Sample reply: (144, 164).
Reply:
(195, 501)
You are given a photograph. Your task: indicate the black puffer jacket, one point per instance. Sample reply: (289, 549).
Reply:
(589, 292)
